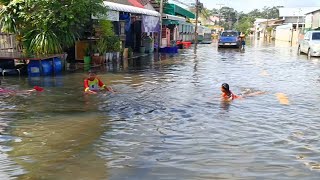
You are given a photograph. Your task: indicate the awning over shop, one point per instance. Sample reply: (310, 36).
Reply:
(130, 9)
(172, 17)
(173, 9)
(169, 21)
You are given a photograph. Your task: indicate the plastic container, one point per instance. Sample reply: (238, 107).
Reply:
(34, 68)
(47, 68)
(87, 60)
(142, 49)
(57, 65)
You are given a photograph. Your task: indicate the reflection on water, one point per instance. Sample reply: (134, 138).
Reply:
(167, 120)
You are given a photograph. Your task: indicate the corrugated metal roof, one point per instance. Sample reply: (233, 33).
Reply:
(125, 2)
(130, 9)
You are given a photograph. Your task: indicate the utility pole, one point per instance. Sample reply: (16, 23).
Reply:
(297, 28)
(196, 28)
(266, 31)
(160, 31)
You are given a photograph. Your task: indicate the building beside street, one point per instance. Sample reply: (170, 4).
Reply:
(295, 21)
(259, 27)
(295, 16)
(136, 22)
(176, 24)
(266, 28)
(313, 20)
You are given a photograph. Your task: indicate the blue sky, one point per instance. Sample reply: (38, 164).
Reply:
(248, 5)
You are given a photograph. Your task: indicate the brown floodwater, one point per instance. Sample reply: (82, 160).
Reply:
(167, 120)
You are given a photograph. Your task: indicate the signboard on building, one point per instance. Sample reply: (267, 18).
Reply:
(150, 24)
(113, 15)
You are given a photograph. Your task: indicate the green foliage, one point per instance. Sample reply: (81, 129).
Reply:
(7, 22)
(270, 12)
(243, 21)
(113, 43)
(244, 24)
(106, 28)
(4, 2)
(87, 51)
(49, 23)
(101, 46)
(46, 42)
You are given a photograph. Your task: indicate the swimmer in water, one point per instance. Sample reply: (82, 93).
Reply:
(93, 84)
(11, 92)
(228, 95)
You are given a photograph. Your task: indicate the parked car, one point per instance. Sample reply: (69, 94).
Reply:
(310, 44)
(229, 39)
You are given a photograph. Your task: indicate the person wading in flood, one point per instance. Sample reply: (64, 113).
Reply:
(228, 95)
(242, 40)
(93, 84)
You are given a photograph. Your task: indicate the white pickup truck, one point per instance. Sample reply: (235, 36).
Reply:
(310, 44)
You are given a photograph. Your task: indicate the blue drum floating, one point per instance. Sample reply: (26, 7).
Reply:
(57, 65)
(47, 67)
(34, 68)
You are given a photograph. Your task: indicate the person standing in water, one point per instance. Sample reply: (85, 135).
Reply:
(242, 38)
(93, 84)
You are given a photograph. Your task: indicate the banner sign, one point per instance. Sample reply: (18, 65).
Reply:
(113, 15)
(150, 24)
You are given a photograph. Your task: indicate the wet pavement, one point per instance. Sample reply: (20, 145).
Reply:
(167, 120)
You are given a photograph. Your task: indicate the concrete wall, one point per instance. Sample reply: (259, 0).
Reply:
(287, 35)
(316, 20)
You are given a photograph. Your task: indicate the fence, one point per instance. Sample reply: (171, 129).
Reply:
(7, 42)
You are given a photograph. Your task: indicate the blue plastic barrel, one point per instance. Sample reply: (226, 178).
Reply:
(57, 65)
(34, 68)
(46, 67)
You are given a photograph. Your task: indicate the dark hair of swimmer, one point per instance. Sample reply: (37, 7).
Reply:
(225, 86)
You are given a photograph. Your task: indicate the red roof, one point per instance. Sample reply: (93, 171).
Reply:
(136, 3)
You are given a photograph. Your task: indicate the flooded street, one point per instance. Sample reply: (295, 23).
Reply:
(167, 120)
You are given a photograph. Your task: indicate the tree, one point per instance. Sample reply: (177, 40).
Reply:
(270, 12)
(48, 26)
(230, 16)
(255, 13)
(245, 24)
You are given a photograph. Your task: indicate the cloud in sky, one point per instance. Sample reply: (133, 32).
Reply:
(248, 5)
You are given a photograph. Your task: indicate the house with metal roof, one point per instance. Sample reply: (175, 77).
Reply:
(313, 20)
(296, 16)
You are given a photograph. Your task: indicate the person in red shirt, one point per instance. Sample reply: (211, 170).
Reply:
(93, 84)
(226, 93)
(13, 92)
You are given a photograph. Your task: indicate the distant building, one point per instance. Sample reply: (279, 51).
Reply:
(296, 16)
(313, 20)
(266, 28)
